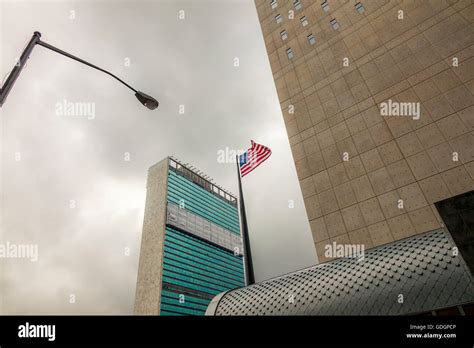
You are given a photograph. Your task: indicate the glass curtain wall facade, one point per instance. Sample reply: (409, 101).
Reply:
(201, 246)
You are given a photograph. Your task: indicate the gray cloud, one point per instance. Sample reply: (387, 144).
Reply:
(64, 158)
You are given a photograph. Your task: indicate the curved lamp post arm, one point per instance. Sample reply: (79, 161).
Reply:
(149, 102)
(57, 50)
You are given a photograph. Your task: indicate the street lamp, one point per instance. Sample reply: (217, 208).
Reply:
(150, 102)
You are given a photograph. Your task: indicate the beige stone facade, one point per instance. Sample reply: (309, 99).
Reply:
(354, 165)
(148, 291)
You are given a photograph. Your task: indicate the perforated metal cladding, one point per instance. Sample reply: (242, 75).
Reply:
(423, 269)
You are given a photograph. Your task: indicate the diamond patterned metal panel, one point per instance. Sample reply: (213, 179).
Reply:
(423, 269)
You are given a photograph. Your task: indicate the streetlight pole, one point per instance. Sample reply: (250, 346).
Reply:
(145, 99)
(18, 68)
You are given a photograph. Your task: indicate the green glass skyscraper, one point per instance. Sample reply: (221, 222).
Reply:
(191, 246)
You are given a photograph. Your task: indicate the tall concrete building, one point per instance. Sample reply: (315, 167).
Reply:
(377, 98)
(191, 246)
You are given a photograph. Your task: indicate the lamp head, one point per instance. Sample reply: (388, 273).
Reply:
(150, 102)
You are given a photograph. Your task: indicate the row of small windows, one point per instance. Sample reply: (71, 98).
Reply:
(325, 5)
(279, 18)
(311, 37)
(311, 40)
(304, 22)
(296, 4)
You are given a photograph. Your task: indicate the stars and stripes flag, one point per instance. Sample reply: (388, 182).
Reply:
(253, 157)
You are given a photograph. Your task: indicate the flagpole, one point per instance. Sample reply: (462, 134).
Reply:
(249, 275)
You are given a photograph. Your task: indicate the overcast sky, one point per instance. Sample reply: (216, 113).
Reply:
(49, 159)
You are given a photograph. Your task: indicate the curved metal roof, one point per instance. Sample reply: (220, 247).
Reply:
(424, 269)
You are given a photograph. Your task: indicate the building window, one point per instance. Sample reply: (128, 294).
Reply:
(289, 53)
(273, 4)
(359, 7)
(284, 35)
(311, 39)
(325, 5)
(334, 24)
(297, 4)
(304, 21)
(278, 18)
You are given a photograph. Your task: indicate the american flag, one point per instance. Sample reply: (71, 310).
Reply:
(256, 155)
